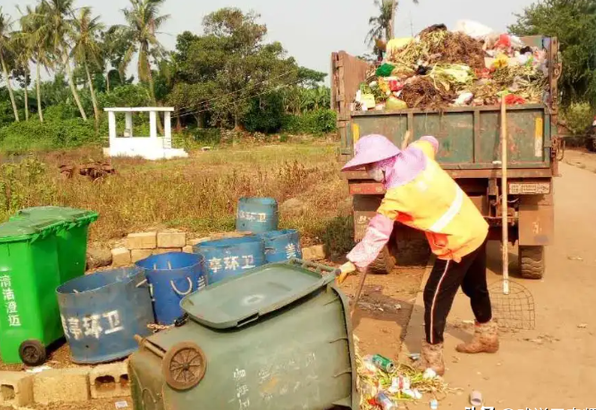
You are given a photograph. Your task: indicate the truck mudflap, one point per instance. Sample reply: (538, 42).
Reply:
(536, 220)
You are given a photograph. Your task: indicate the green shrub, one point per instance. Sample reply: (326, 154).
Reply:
(316, 122)
(33, 135)
(579, 118)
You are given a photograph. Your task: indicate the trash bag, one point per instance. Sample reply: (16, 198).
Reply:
(473, 29)
(385, 70)
(393, 104)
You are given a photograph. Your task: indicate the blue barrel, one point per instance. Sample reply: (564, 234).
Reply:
(102, 312)
(281, 246)
(231, 257)
(257, 215)
(172, 276)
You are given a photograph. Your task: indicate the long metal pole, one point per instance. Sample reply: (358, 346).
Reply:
(393, 13)
(504, 189)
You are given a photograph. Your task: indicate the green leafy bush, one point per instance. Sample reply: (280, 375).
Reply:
(579, 118)
(320, 121)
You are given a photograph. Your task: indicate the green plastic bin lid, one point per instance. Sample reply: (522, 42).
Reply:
(28, 230)
(242, 299)
(58, 213)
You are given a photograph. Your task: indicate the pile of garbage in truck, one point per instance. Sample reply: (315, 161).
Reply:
(469, 66)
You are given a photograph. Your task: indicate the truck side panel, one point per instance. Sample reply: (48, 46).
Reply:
(470, 139)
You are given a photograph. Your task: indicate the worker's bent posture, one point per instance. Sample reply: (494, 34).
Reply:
(421, 195)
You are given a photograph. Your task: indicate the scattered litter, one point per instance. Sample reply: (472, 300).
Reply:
(206, 149)
(121, 405)
(434, 404)
(429, 374)
(582, 326)
(38, 369)
(415, 356)
(403, 383)
(476, 398)
(398, 307)
(467, 322)
(575, 258)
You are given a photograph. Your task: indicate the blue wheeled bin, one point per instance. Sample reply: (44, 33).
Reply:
(257, 215)
(281, 246)
(231, 257)
(102, 312)
(172, 276)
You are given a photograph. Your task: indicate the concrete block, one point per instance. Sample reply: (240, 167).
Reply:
(159, 251)
(120, 257)
(16, 389)
(187, 249)
(138, 254)
(171, 239)
(141, 240)
(110, 380)
(314, 253)
(61, 386)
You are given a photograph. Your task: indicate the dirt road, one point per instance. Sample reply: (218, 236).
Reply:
(552, 366)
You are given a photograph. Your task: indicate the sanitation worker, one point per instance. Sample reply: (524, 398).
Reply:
(421, 195)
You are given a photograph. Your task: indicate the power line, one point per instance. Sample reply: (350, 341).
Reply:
(243, 99)
(219, 97)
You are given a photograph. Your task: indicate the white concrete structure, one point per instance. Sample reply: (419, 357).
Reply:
(149, 147)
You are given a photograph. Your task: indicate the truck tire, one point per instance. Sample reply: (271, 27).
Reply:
(384, 263)
(531, 262)
(591, 143)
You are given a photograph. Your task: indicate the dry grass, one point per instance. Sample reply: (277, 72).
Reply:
(198, 194)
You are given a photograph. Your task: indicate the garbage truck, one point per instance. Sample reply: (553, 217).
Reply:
(470, 152)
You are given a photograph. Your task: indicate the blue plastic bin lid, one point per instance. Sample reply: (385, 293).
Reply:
(239, 300)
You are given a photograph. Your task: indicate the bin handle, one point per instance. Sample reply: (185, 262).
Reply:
(178, 291)
(269, 249)
(316, 266)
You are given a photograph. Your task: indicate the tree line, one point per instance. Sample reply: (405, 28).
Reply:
(226, 76)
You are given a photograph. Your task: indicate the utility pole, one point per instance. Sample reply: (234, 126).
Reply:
(393, 14)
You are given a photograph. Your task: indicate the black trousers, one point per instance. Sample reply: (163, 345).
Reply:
(445, 279)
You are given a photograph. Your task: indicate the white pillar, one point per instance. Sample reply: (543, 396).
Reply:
(128, 121)
(167, 140)
(153, 124)
(112, 124)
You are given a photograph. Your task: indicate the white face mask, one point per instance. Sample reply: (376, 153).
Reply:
(376, 174)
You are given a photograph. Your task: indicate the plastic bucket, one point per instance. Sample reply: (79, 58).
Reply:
(257, 215)
(172, 276)
(281, 246)
(102, 312)
(231, 256)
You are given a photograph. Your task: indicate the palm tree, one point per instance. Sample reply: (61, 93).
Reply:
(57, 14)
(5, 50)
(21, 43)
(382, 25)
(86, 49)
(35, 31)
(144, 22)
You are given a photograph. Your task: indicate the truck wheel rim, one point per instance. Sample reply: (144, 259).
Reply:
(184, 366)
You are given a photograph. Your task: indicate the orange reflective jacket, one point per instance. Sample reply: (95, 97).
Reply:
(433, 202)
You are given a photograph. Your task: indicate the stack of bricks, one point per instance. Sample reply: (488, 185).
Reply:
(141, 245)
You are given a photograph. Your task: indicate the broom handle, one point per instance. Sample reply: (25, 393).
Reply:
(504, 201)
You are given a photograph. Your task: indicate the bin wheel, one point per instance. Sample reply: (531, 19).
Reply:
(32, 353)
(184, 366)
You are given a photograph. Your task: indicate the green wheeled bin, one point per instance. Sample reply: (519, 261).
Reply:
(277, 337)
(72, 241)
(29, 275)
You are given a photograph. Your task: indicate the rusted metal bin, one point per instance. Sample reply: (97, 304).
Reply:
(277, 337)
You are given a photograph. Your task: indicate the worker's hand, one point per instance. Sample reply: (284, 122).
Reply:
(345, 270)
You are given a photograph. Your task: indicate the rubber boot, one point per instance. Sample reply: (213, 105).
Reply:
(431, 357)
(486, 339)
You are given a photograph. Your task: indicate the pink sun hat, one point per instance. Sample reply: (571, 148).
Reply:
(369, 149)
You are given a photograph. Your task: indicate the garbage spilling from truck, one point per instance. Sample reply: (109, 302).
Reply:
(470, 66)
(382, 384)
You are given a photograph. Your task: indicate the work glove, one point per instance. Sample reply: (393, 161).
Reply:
(345, 270)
